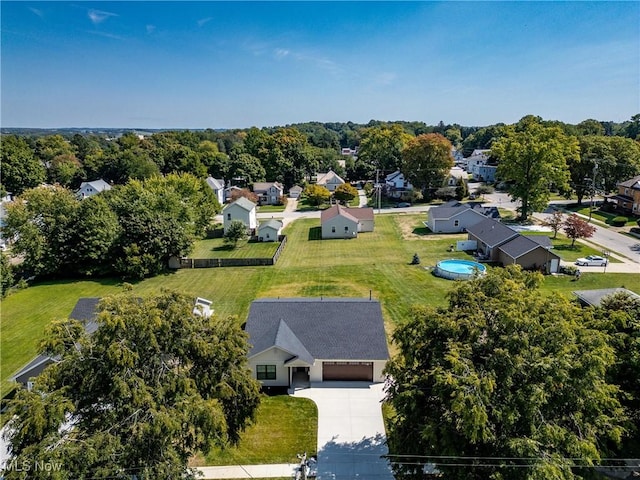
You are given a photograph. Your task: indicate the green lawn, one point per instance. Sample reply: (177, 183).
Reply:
(271, 208)
(376, 262)
(603, 217)
(284, 427)
(216, 248)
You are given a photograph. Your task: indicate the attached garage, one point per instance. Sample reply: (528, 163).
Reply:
(359, 371)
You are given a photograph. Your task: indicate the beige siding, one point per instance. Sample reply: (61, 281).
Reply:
(340, 222)
(273, 356)
(366, 225)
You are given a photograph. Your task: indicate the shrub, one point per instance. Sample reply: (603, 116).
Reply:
(619, 221)
(569, 270)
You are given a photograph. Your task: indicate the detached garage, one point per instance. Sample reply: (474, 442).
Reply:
(316, 340)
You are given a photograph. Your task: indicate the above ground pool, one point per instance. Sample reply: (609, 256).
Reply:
(459, 269)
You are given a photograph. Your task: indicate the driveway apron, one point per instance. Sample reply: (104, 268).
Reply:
(351, 435)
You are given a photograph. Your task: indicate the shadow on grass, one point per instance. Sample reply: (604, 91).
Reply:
(224, 248)
(421, 231)
(315, 233)
(568, 247)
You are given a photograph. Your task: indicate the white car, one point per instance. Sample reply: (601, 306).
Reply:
(592, 261)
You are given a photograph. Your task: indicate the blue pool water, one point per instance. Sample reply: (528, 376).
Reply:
(459, 269)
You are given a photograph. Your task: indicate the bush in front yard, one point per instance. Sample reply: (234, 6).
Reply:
(619, 221)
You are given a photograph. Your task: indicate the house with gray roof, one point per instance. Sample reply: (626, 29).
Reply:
(498, 243)
(316, 340)
(217, 185)
(530, 253)
(85, 311)
(330, 180)
(456, 217)
(242, 209)
(594, 297)
(89, 189)
(490, 234)
(269, 193)
(269, 231)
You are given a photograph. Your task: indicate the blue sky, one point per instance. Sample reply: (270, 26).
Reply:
(236, 64)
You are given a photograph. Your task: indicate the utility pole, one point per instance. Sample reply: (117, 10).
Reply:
(593, 187)
(378, 190)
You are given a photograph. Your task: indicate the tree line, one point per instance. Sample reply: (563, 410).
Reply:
(131, 230)
(290, 154)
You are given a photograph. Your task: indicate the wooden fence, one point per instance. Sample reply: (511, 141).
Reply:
(228, 262)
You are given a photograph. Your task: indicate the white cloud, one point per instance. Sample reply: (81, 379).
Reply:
(317, 61)
(151, 29)
(106, 35)
(37, 12)
(99, 16)
(203, 21)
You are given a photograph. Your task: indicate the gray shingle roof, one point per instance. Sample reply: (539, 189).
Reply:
(594, 297)
(491, 232)
(243, 202)
(85, 311)
(519, 246)
(273, 223)
(542, 240)
(328, 328)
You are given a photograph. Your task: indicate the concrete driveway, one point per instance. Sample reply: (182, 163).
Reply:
(351, 436)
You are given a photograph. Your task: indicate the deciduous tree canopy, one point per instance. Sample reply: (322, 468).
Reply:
(154, 385)
(506, 381)
(533, 159)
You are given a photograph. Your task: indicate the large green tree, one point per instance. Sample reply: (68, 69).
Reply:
(381, 147)
(426, 160)
(41, 221)
(619, 316)
(610, 159)
(153, 386)
(503, 383)
(533, 159)
(21, 169)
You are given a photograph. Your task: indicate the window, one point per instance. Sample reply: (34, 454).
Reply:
(456, 223)
(228, 216)
(346, 229)
(333, 229)
(266, 372)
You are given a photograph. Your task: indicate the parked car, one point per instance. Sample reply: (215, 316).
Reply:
(592, 261)
(403, 204)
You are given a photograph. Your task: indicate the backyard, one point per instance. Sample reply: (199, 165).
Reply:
(216, 248)
(376, 263)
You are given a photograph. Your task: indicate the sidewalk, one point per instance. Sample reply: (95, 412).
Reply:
(282, 470)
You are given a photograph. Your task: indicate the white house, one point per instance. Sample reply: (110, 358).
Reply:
(396, 184)
(243, 210)
(329, 180)
(269, 193)
(89, 189)
(456, 174)
(315, 340)
(344, 222)
(269, 231)
(217, 185)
